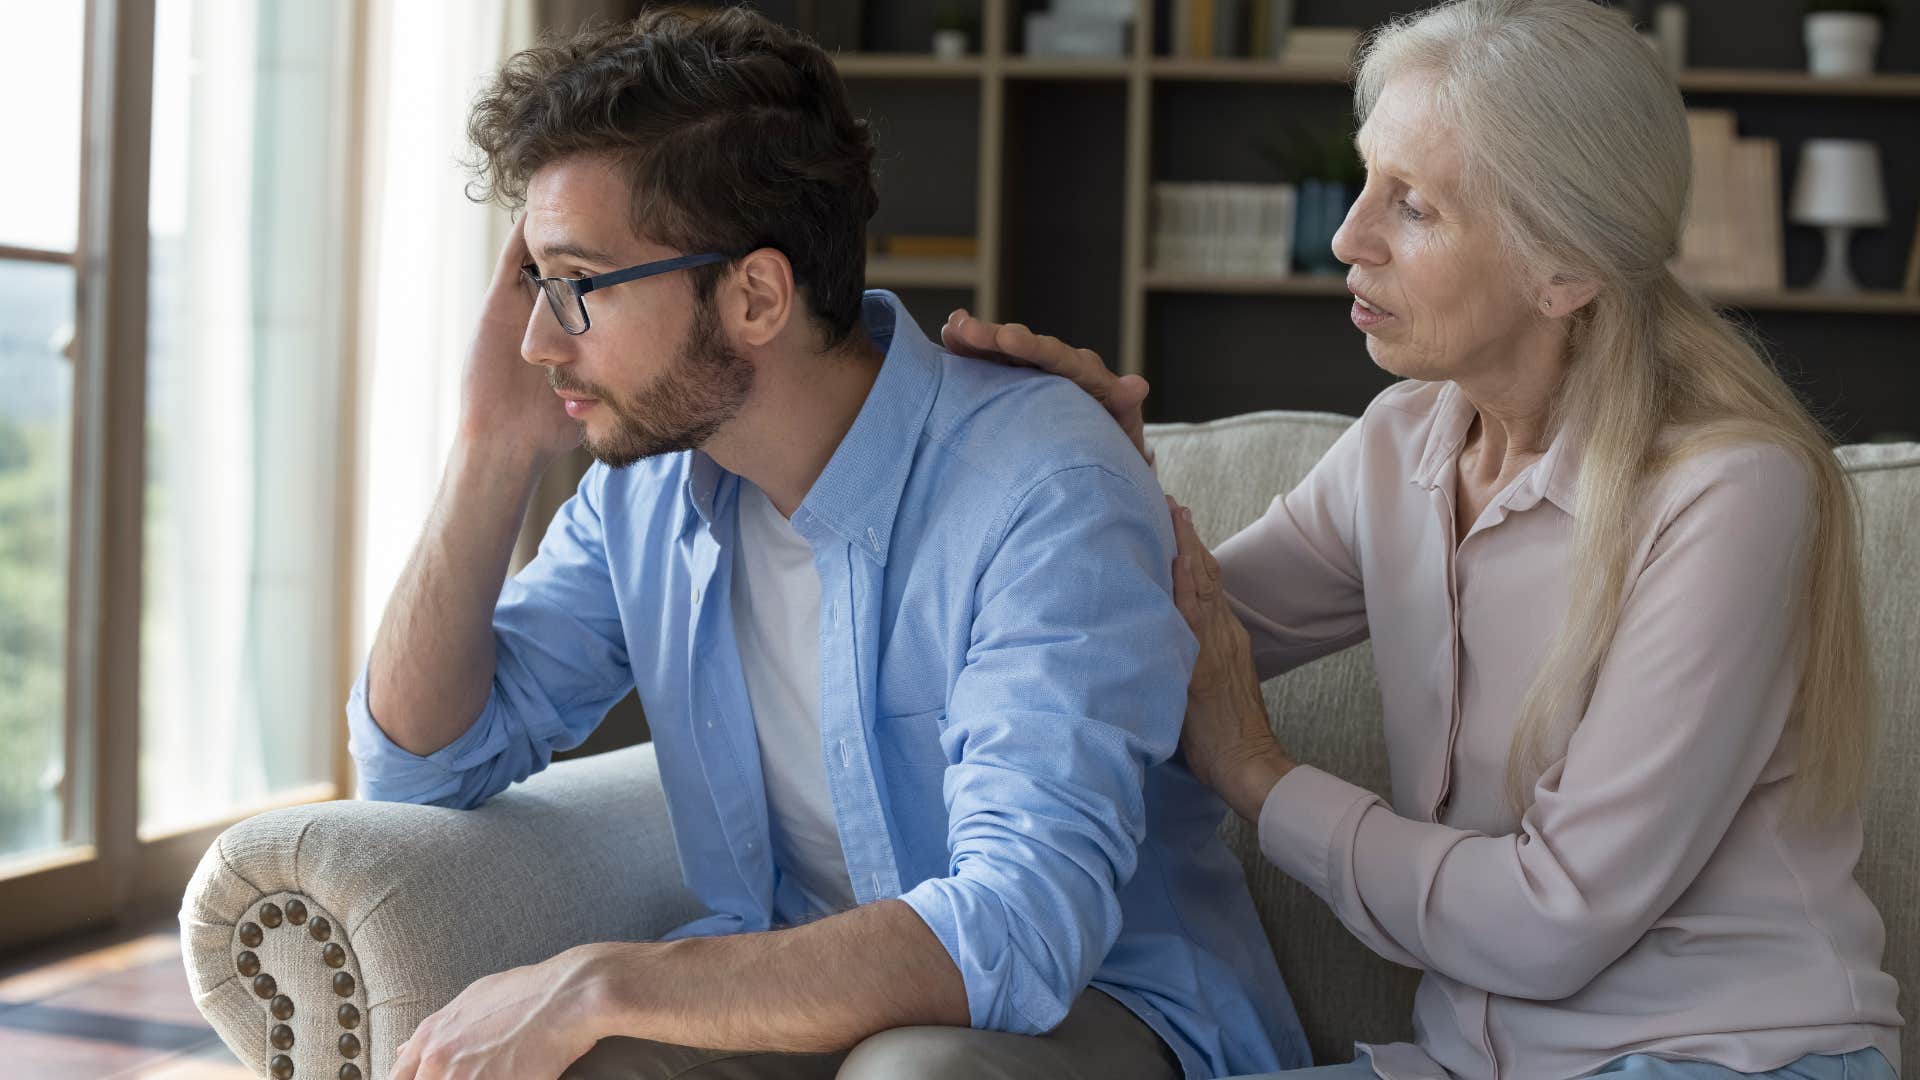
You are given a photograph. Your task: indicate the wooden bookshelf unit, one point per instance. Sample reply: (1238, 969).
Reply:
(1057, 172)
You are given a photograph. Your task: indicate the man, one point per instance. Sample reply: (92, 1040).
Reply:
(900, 621)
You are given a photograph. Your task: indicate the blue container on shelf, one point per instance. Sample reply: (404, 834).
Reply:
(1321, 208)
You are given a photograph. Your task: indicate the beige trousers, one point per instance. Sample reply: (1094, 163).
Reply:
(1099, 1040)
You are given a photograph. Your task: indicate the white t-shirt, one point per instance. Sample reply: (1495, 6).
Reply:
(776, 621)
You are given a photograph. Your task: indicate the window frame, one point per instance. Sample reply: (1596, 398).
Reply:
(122, 876)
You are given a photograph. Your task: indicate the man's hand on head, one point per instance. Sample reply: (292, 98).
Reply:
(506, 403)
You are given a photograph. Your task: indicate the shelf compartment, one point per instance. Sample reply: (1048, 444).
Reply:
(1754, 81)
(906, 66)
(1181, 69)
(911, 272)
(1757, 81)
(1067, 67)
(1871, 302)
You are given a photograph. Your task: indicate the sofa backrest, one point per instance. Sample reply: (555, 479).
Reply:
(1328, 714)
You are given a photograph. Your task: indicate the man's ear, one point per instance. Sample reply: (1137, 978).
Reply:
(757, 298)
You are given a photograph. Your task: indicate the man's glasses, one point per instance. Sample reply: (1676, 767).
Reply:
(568, 296)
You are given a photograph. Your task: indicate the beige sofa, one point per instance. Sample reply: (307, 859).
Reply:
(420, 901)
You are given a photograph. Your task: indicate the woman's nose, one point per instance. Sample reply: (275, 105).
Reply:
(1357, 242)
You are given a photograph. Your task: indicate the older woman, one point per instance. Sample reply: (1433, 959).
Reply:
(1608, 566)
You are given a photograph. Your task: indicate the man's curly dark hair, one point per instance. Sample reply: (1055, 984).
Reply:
(734, 133)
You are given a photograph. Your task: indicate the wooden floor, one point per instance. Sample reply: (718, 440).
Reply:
(113, 1007)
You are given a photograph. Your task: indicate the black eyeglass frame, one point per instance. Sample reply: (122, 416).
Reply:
(580, 287)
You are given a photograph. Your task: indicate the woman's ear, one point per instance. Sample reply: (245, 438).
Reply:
(1563, 295)
(760, 297)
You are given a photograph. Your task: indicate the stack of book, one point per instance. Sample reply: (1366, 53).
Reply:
(1732, 238)
(1217, 228)
(1320, 46)
(1204, 29)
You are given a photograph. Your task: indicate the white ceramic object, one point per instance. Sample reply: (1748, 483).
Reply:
(949, 44)
(1838, 188)
(1670, 26)
(1842, 44)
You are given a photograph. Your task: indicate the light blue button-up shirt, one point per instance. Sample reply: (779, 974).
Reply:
(1003, 678)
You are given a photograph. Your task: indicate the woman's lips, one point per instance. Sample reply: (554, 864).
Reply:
(1366, 318)
(1366, 314)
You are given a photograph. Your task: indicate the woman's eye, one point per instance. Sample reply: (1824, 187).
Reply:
(1407, 211)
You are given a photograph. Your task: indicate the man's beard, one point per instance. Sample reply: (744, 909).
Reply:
(701, 389)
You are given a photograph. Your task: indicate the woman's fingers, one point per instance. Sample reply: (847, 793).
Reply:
(964, 335)
(1206, 572)
(1185, 595)
(1014, 343)
(1210, 566)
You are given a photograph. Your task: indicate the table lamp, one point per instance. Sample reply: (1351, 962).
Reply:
(1838, 188)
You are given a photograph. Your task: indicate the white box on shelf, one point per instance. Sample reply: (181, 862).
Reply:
(1222, 229)
(1052, 33)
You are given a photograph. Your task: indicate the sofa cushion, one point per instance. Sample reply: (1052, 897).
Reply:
(1328, 713)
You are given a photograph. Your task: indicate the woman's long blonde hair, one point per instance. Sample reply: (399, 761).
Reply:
(1576, 143)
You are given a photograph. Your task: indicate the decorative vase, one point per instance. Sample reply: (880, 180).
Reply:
(1841, 44)
(949, 44)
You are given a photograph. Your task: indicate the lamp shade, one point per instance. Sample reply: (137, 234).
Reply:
(1839, 184)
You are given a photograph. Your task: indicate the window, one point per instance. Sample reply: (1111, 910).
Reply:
(171, 600)
(40, 61)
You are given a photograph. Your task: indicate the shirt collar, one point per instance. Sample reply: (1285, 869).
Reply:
(1554, 477)
(858, 493)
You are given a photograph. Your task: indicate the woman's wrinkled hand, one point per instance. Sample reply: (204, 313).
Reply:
(1227, 741)
(1013, 343)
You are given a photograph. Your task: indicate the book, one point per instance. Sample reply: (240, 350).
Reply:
(1706, 241)
(908, 245)
(1320, 44)
(1732, 236)
(1222, 228)
(1913, 261)
(1267, 26)
(1228, 27)
(1755, 205)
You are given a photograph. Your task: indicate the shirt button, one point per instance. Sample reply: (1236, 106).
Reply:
(846, 759)
(696, 594)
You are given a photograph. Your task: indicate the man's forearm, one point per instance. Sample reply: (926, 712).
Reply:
(820, 987)
(432, 662)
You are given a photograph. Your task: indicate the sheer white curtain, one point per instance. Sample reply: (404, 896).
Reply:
(243, 389)
(428, 254)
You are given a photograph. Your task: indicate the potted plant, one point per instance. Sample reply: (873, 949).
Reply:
(1327, 175)
(953, 29)
(1843, 36)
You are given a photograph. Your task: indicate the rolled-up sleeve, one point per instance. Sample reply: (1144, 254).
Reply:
(1075, 684)
(560, 663)
(1689, 707)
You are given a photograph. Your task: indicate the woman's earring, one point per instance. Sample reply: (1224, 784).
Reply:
(1549, 303)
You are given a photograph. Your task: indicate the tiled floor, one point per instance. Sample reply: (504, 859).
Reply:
(114, 1007)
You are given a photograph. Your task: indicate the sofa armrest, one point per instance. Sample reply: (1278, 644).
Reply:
(319, 936)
